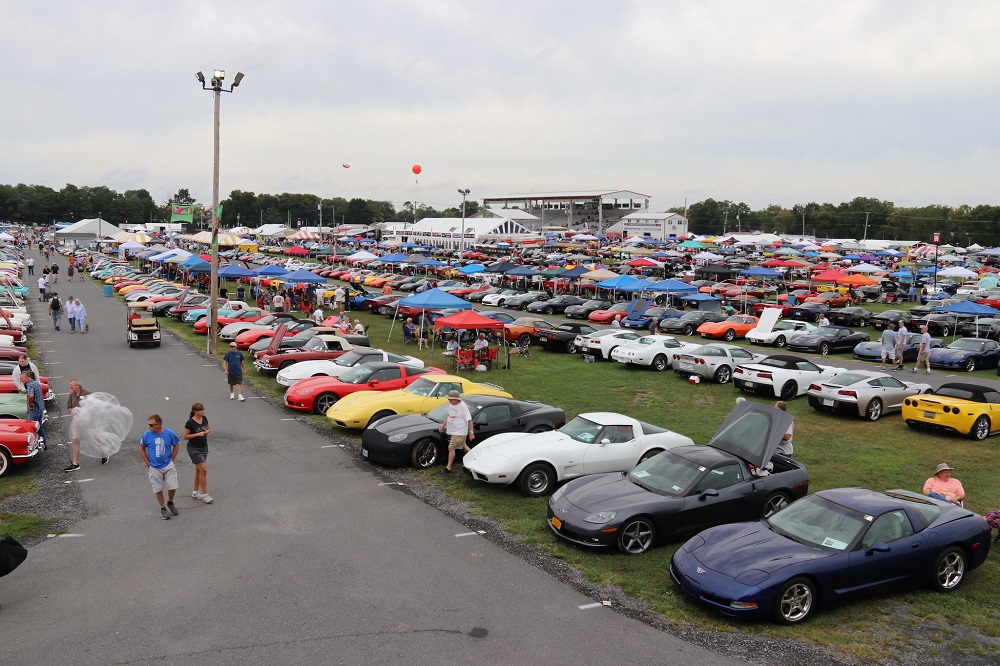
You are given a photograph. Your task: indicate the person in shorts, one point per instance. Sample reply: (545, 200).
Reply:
(458, 427)
(235, 369)
(196, 433)
(888, 342)
(924, 351)
(158, 448)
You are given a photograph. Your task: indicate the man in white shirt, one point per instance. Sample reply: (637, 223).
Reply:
(924, 351)
(71, 314)
(901, 335)
(318, 316)
(458, 426)
(338, 299)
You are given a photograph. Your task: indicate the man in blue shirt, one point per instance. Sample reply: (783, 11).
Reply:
(158, 448)
(235, 369)
(36, 403)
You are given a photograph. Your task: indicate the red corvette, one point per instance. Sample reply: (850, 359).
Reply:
(317, 348)
(318, 394)
(7, 386)
(19, 443)
(247, 338)
(201, 326)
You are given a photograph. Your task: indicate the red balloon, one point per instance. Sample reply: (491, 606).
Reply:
(346, 165)
(417, 169)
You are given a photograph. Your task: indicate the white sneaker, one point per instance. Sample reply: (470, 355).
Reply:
(196, 494)
(242, 399)
(207, 499)
(232, 396)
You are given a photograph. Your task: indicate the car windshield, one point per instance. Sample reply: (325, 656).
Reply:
(315, 343)
(357, 375)
(593, 304)
(814, 520)
(968, 344)
(666, 474)
(648, 340)
(582, 430)
(423, 387)
(691, 315)
(784, 326)
(847, 378)
(350, 359)
(826, 331)
(267, 320)
(709, 350)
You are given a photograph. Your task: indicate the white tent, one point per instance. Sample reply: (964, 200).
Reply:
(86, 231)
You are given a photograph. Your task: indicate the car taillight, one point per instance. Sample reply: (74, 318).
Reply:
(850, 394)
(764, 375)
(700, 361)
(738, 371)
(814, 387)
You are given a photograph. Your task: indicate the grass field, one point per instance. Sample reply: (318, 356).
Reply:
(838, 451)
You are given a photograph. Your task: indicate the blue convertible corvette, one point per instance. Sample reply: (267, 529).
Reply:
(832, 545)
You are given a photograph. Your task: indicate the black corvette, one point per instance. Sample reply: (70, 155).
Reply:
(851, 316)
(689, 322)
(685, 489)
(414, 439)
(828, 339)
(583, 310)
(555, 305)
(563, 336)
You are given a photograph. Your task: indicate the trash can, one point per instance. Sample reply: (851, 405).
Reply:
(241, 293)
(224, 293)
(109, 290)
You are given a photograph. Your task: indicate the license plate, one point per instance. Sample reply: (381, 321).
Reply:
(364, 452)
(827, 402)
(556, 523)
(687, 366)
(748, 384)
(929, 415)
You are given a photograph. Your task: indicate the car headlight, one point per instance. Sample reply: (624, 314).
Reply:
(557, 495)
(398, 438)
(306, 391)
(601, 517)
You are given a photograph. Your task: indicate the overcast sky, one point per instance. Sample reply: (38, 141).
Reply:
(763, 102)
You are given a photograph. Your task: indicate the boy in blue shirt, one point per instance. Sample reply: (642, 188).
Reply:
(235, 369)
(158, 448)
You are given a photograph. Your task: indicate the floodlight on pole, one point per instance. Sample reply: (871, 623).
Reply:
(215, 86)
(464, 194)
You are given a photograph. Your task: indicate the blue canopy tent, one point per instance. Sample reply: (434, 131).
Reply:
(234, 271)
(705, 302)
(760, 271)
(968, 308)
(200, 266)
(472, 269)
(670, 286)
(432, 299)
(268, 271)
(303, 276)
(621, 282)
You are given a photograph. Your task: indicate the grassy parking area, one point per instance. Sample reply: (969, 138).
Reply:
(838, 451)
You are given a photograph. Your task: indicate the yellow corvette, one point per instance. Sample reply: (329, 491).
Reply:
(966, 409)
(363, 408)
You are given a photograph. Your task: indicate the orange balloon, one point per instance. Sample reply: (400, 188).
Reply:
(417, 169)
(346, 165)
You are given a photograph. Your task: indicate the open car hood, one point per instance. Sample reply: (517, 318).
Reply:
(636, 308)
(752, 432)
(767, 319)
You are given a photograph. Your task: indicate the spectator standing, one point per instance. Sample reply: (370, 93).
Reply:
(338, 299)
(76, 395)
(924, 351)
(71, 314)
(654, 326)
(278, 303)
(56, 310)
(911, 294)
(235, 369)
(196, 432)
(901, 335)
(386, 289)
(23, 365)
(822, 320)
(318, 316)
(43, 284)
(158, 448)
(81, 317)
(30, 263)
(458, 427)
(36, 403)
(616, 323)
(888, 342)
(785, 447)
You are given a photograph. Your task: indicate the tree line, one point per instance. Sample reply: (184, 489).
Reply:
(43, 205)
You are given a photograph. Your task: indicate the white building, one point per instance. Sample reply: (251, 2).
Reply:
(658, 226)
(446, 232)
(590, 209)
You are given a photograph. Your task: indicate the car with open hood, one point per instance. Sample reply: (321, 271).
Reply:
(772, 330)
(737, 476)
(592, 443)
(832, 546)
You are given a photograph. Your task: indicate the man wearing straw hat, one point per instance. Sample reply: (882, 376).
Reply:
(942, 486)
(458, 426)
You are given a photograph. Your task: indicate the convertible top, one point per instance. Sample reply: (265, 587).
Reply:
(973, 392)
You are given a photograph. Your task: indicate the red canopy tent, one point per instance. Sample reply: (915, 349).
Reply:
(297, 250)
(468, 320)
(642, 262)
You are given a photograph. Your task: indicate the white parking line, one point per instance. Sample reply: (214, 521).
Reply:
(52, 536)
(54, 362)
(289, 419)
(589, 606)
(330, 446)
(209, 365)
(465, 534)
(391, 483)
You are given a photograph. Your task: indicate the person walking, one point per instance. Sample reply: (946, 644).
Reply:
(54, 273)
(888, 342)
(56, 310)
(924, 350)
(235, 369)
(901, 339)
(36, 403)
(458, 427)
(158, 448)
(30, 263)
(196, 433)
(71, 314)
(81, 317)
(76, 395)
(318, 315)
(42, 287)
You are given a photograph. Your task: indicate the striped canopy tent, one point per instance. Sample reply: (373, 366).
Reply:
(138, 237)
(303, 234)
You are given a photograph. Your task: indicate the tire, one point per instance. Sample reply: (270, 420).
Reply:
(523, 339)
(864, 323)
(649, 454)
(285, 364)
(949, 569)
(780, 341)
(539, 428)
(874, 410)
(550, 310)
(536, 480)
(131, 344)
(610, 352)
(659, 363)
(795, 601)
(723, 375)
(6, 462)
(789, 391)
(730, 335)
(981, 428)
(824, 348)
(688, 330)
(773, 503)
(323, 402)
(424, 454)
(385, 310)
(571, 347)
(970, 365)
(381, 415)
(636, 536)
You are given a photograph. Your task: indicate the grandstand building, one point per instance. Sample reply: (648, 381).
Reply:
(659, 226)
(593, 210)
(446, 232)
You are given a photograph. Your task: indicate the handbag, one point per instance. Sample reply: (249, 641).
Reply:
(12, 554)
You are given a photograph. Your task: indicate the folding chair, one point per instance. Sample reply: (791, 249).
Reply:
(523, 350)
(465, 359)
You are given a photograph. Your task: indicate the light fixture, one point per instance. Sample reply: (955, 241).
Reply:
(200, 77)
(239, 77)
(219, 74)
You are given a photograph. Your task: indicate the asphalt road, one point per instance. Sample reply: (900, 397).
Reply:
(305, 556)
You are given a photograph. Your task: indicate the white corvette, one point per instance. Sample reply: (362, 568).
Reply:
(327, 368)
(591, 443)
(655, 351)
(782, 375)
(771, 331)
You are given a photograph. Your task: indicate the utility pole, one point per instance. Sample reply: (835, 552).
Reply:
(803, 225)
(866, 228)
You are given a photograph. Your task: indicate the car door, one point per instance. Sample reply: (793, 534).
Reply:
(890, 390)
(907, 556)
(388, 379)
(722, 495)
(613, 450)
(494, 419)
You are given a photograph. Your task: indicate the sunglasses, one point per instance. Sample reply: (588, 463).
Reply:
(152, 425)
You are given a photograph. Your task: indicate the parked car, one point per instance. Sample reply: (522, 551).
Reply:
(525, 330)
(592, 443)
(689, 322)
(828, 339)
(653, 351)
(940, 323)
(713, 362)
(966, 354)
(684, 489)
(780, 333)
(521, 301)
(782, 375)
(864, 393)
(829, 547)
(583, 310)
(966, 409)
(600, 347)
(563, 337)
(555, 305)
(834, 299)
(416, 439)
(318, 394)
(881, 320)
(735, 326)
(872, 351)
(809, 311)
(851, 316)
(645, 320)
(338, 366)
(19, 443)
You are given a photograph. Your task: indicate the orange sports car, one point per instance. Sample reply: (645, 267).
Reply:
(832, 298)
(525, 330)
(729, 329)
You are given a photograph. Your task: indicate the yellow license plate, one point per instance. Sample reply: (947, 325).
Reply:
(556, 523)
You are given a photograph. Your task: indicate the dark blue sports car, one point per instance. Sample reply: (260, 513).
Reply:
(646, 318)
(967, 354)
(835, 544)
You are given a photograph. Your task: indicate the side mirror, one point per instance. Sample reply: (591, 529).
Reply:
(605, 441)
(373, 382)
(877, 547)
(708, 493)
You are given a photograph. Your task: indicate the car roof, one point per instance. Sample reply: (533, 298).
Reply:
(863, 500)
(609, 418)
